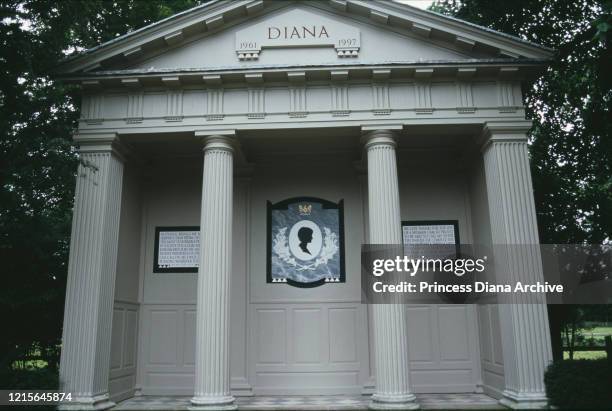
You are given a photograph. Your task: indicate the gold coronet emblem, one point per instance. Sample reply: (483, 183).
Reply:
(305, 209)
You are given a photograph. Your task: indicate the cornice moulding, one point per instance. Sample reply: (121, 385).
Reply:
(502, 68)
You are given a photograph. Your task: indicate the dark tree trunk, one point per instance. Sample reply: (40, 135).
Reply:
(555, 319)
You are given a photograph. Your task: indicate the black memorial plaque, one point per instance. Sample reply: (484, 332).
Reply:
(305, 242)
(177, 250)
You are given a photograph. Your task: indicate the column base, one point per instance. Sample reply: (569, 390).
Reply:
(524, 401)
(212, 403)
(98, 402)
(393, 402)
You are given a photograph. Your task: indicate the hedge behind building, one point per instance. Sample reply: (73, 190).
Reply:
(580, 384)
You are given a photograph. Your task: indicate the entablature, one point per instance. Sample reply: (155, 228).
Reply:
(256, 103)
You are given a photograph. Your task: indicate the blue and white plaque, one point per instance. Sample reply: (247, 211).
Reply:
(305, 242)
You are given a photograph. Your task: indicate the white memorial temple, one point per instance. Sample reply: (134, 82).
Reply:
(234, 159)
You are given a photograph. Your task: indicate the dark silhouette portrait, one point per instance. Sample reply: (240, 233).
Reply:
(305, 237)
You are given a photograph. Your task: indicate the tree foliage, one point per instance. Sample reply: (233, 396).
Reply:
(571, 141)
(37, 160)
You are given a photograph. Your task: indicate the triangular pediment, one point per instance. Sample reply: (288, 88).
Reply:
(300, 36)
(267, 34)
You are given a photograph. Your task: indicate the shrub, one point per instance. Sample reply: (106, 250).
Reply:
(579, 384)
(29, 379)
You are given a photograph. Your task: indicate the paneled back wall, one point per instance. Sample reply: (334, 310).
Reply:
(126, 309)
(167, 345)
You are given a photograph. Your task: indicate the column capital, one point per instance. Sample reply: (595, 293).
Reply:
(217, 139)
(101, 143)
(379, 137)
(499, 131)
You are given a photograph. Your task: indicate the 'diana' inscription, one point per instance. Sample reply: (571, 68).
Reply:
(297, 28)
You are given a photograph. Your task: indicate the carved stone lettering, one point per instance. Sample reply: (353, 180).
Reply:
(298, 28)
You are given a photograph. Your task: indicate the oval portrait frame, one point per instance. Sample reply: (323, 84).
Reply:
(284, 205)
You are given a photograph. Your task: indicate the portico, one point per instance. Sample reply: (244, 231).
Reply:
(188, 127)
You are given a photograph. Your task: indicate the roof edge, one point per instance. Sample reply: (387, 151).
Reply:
(474, 25)
(215, 14)
(415, 70)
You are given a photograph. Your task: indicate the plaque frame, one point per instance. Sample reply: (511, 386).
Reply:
(283, 205)
(454, 223)
(156, 267)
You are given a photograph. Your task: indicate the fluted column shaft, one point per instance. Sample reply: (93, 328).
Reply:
(86, 340)
(212, 378)
(389, 320)
(524, 327)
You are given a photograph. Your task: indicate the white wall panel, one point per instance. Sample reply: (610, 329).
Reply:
(271, 336)
(167, 352)
(115, 106)
(453, 327)
(443, 348)
(235, 101)
(307, 336)
(155, 104)
(498, 358)
(491, 349)
(276, 100)
(189, 323)
(421, 344)
(485, 94)
(356, 97)
(343, 335)
(163, 330)
(117, 338)
(194, 102)
(122, 377)
(318, 99)
(128, 263)
(131, 334)
(316, 348)
(440, 92)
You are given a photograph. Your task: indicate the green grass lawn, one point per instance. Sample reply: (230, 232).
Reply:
(598, 334)
(585, 355)
(600, 331)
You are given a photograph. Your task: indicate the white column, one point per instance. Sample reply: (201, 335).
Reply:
(86, 339)
(389, 320)
(212, 372)
(524, 327)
